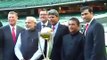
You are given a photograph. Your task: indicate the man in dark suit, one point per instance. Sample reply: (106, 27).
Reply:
(94, 34)
(73, 43)
(43, 17)
(44, 22)
(0, 41)
(9, 36)
(59, 31)
(1, 37)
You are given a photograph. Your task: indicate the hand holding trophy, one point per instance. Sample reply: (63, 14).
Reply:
(47, 34)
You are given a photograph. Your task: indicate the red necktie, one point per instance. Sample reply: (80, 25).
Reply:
(86, 27)
(53, 27)
(13, 35)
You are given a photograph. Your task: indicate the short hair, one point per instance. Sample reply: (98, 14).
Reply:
(90, 9)
(31, 18)
(75, 19)
(43, 9)
(53, 12)
(13, 12)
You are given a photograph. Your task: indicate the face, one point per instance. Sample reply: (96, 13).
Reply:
(73, 27)
(30, 25)
(12, 18)
(53, 19)
(86, 15)
(43, 16)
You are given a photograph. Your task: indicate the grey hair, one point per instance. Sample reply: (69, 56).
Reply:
(13, 12)
(31, 18)
(53, 12)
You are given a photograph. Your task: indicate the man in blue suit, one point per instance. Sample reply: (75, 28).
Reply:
(0, 41)
(44, 22)
(59, 31)
(9, 36)
(43, 17)
(94, 34)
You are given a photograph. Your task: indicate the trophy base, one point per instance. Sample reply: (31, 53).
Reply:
(46, 59)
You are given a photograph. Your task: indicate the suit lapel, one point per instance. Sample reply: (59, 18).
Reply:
(17, 31)
(57, 32)
(49, 25)
(90, 26)
(9, 30)
(39, 25)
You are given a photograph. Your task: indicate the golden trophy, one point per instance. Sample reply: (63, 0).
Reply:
(47, 34)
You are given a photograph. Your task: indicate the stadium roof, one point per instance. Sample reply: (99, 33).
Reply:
(24, 4)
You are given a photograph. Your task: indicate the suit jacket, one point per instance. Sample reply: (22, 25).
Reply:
(1, 37)
(57, 42)
(95, 42)
(7, 42)
(73, 47)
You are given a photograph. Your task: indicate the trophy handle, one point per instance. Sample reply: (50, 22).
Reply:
(49, 47)
(40, 45)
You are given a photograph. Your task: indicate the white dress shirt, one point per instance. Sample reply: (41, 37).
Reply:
(56, 27)
(44, 24)
(36, 55)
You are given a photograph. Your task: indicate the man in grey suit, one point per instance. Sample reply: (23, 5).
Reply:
(9, 36)
(94, 34)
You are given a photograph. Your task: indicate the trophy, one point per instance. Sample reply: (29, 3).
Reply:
(47, 34)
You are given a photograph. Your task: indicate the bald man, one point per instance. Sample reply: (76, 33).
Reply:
(27, 47)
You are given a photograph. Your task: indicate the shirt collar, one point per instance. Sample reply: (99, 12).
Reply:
(56, 25)
(12, 26)
(44, 23)
(90, 21)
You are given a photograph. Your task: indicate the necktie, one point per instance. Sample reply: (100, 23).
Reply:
(43, 26)
(53, 27)
(13, 35)
(86, 27)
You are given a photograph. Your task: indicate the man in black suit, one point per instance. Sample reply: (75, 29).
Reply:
(9, 36)
(59, 31)
(94, 34)
(73, 43)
